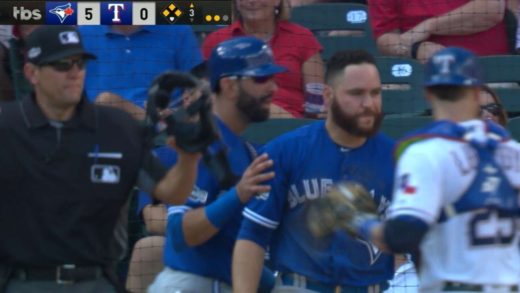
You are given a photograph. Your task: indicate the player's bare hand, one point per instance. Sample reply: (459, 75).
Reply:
(252, 179)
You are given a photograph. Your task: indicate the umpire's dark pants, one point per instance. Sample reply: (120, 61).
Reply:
(100, 285)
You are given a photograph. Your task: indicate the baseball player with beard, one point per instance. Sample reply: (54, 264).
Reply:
(200, 234)
(307, 161)
(457, 189)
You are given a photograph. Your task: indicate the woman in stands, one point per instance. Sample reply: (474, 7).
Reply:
(491, 107)
(295, 47)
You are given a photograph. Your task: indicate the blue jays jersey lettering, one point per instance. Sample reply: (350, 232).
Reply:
(470, 199)
(306, 163)
(213, 258)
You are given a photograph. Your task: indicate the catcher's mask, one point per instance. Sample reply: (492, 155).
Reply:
(193, 126)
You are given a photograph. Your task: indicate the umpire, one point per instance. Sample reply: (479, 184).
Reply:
(67, 168)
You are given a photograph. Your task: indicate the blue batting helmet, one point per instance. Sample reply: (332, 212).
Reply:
(242, 56)
(453, 66)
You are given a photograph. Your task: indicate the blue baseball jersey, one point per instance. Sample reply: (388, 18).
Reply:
(212, 258)
(307, 162)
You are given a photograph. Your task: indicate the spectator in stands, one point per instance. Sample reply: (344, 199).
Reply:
(129, 58)
(13, 83)
(294, 47)
(491, 107)
(419, 28)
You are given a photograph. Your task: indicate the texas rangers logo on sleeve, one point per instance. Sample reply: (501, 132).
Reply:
(405, 186)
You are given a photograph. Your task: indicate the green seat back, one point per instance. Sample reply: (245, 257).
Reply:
(504, 69)
(513, 125)
(395, 126)
(202, 30)
(402, 85)
(349, 19)
(399, 125)
(263, 132)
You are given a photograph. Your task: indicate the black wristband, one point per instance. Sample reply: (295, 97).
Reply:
(415, 49)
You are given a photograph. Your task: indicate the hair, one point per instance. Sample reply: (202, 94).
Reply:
(502, 116)
(344, 58)
(284, 11)
(201, 70)
(450, 93)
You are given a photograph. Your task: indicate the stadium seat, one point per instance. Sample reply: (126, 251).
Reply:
(202, 30)
(394, 126)
(402, 85)
(504, 69)
(348, 21)
(261, 133)
(399, 125)
(513, 125)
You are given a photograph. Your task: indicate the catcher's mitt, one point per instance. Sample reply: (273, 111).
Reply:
(342, 207)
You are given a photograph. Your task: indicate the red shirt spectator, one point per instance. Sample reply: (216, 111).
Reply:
(292, 45)
(477, 25)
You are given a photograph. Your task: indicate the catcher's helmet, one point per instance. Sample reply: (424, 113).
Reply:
(453, 66)
(242, 56)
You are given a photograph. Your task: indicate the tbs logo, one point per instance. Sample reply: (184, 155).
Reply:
(114, 13)
(22, 13)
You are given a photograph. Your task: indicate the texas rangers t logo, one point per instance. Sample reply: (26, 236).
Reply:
(116, 7)
(114, 13)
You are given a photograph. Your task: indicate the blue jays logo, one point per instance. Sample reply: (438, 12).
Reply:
(62, 11)
(373, 251)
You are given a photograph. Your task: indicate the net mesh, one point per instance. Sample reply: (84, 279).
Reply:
(398, 29)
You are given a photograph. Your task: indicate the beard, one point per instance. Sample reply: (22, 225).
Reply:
(252, 106)
(350, 123)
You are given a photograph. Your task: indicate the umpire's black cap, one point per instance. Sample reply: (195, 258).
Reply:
(50, 43)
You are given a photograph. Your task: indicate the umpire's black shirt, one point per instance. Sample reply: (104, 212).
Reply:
(62, 184)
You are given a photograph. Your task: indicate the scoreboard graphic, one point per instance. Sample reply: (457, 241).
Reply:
(116, 12)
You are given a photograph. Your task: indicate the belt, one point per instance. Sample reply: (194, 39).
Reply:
(455, 286)
(300, 281)
(64, 274)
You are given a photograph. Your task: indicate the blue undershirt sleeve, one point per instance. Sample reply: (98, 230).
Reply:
(403, 234)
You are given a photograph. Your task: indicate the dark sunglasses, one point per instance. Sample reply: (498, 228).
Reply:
(262, 79)
(257, 79)
(493, 108)
(65, 65)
